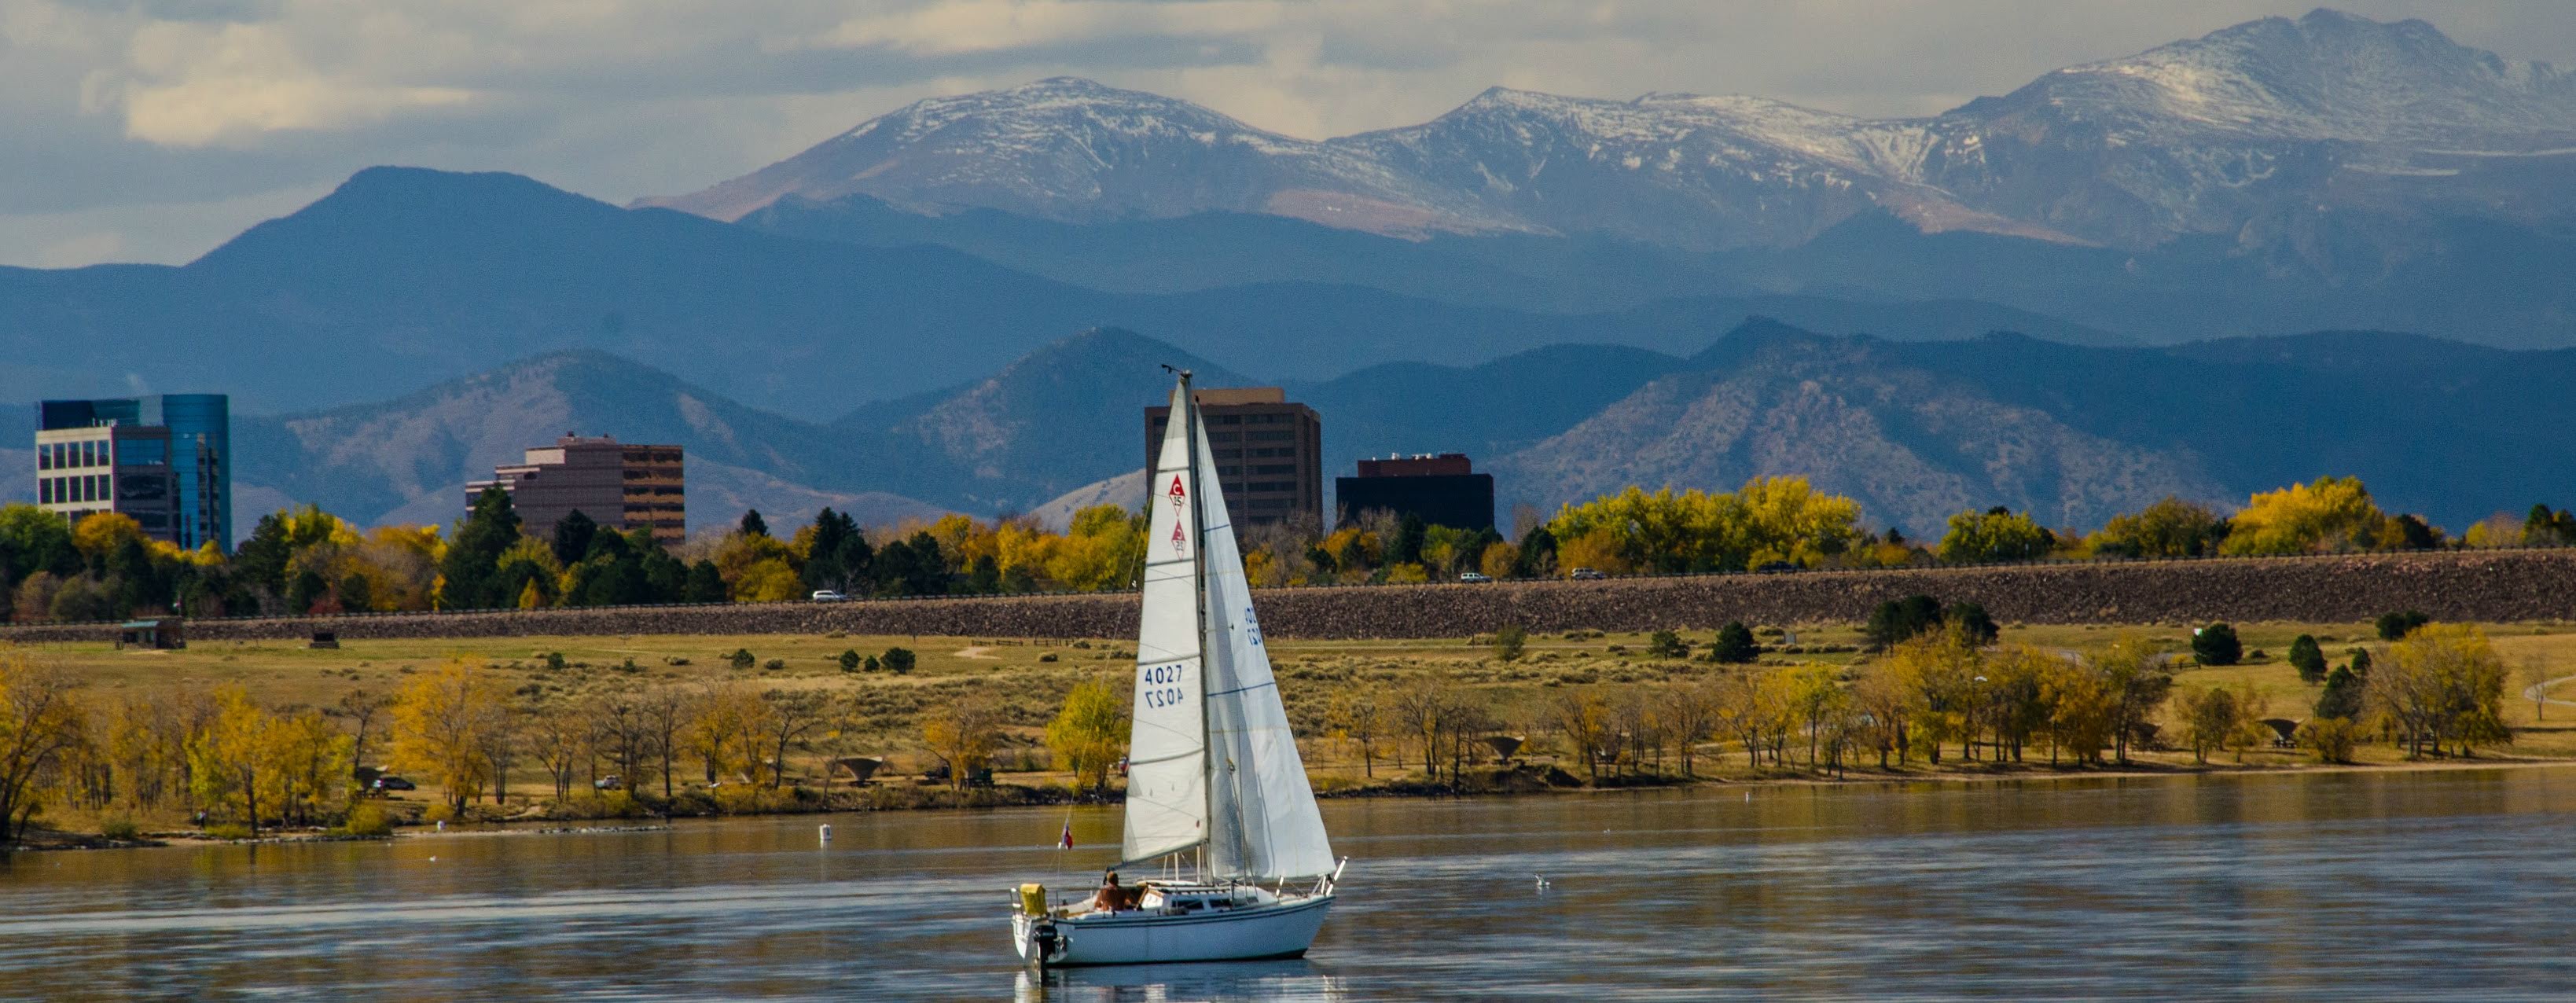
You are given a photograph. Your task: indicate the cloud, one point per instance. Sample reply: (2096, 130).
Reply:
(84, 249)
(171, 122)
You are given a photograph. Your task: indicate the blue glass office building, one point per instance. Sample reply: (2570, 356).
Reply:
(200, 452)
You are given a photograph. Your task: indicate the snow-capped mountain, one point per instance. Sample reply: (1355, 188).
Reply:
(2243, 133)
(1071, 149)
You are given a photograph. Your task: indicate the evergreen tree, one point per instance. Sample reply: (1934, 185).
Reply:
(1734, 645)
(1538, 551)
(986, 577)
(1897, 620)
(303, 592)
(573, 536)
(357, 595)
(261, 560)
(2342, 695)
(474, 557)
(2395, 626)
(1971, 618)
(753, 524)
(706, 584)
(2310, 660)
(2216, 644)
(1406, 548)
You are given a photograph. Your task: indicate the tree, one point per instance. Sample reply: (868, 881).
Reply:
(1734, 645)
(2137, 682)
(1996, 534)
(2168, 528)
(364, 711)
(41, 724)
(2309, 659)
(305, 590)
(1666, 644)
(1897, 620)
(473, 559)
(1768, 520)
(2216, 644)
(753, 524)
(1357, 715)
(2341, 698)
(963, 734)
(849, 660)
(1090, 732)
(2396, 625)
(706, 584)
(573, 536)
(1971, 618)
(1509, 641)
(2334, 513)
(667, 710)
(230, 763)
(2443, 685)
(443, 720)
(2209, 720)
(1584, 719)
(898, 660)
(793, 715)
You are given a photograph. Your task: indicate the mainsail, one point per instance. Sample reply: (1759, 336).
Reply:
(1264, 823)
(1167, 800)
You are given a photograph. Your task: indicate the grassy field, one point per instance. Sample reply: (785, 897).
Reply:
(1030, 677)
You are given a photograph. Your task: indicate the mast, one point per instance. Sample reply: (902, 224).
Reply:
(1198, 595)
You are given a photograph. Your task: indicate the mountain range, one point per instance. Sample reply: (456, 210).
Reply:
(1914, 430)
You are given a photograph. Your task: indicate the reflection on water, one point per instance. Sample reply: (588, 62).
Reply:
(2276, 887)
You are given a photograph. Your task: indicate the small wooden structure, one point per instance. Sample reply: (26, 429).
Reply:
(2285, 732)
(324, 639)
(159, 634)
(1504, 746)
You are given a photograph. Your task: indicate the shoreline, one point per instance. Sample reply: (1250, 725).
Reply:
(1855, 778)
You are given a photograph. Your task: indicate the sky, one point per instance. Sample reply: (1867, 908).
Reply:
(153, 130)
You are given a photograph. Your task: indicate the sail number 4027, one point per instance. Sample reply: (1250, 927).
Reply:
(1161, 687)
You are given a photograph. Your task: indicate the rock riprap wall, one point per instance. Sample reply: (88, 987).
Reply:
(2451, 585)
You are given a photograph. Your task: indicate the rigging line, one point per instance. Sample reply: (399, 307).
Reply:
(1164, 759)
(1243, 689)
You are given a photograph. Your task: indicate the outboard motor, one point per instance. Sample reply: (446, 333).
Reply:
(1049, 942)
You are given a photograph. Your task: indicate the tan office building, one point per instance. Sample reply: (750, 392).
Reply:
(1269, 453)
(616, 484)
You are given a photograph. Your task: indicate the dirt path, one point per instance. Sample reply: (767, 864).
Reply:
(2534, 692)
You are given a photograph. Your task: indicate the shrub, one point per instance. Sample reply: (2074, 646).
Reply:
(1509, 641)
(369, 820)
(555, 661)
(773, 665)
(439, 812)
(2330, 739)
(1666, 644)
(871, 664)
(228, 830)
(898, 660)
(2216, 644)
(2395, 626)
(1734, 645)
(742, 658)
(849, 661)
(120, 828)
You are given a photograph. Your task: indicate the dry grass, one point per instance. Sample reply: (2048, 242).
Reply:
(1029, 678)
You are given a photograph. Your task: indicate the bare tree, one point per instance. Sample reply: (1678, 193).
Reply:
(668, 710)
(793, 714)
(559, 739)
(365, 712)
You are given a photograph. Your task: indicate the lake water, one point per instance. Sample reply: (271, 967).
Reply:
(2344, 886)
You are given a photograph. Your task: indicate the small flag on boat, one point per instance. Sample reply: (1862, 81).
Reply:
(1066, 841)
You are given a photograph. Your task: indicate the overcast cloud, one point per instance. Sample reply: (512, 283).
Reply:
(151, 130)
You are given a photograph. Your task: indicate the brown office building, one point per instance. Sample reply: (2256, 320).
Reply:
(1269, 453)
(616, 484)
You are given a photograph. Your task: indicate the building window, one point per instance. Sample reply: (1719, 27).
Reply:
(1228, 471)
(1275, 468)
(44, 491)
(1270, 436)
(1229, 454)
(1230, 436)
(1271, 486)
(44, 457)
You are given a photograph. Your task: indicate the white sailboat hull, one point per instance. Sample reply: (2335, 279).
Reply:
(1284, 929)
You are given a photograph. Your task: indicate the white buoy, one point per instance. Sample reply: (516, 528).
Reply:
(1542, 882)
(826, 833)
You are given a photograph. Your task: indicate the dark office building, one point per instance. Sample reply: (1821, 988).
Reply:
(1442, 490)
(165, 460)
(1269, 453)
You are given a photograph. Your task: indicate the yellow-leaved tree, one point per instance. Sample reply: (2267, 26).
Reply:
(444, 720)
(2333, 513)
(963, 734)
(1090, 733)
(40, 724)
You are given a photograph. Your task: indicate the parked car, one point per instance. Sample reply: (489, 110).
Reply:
(390, 783)
(827, 595)
(609, 783)
(1586, 575)
(1472, 578)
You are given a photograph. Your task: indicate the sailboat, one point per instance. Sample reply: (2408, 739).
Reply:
(1217, 802)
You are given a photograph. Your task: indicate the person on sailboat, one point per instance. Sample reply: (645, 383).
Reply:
(1111, 897)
